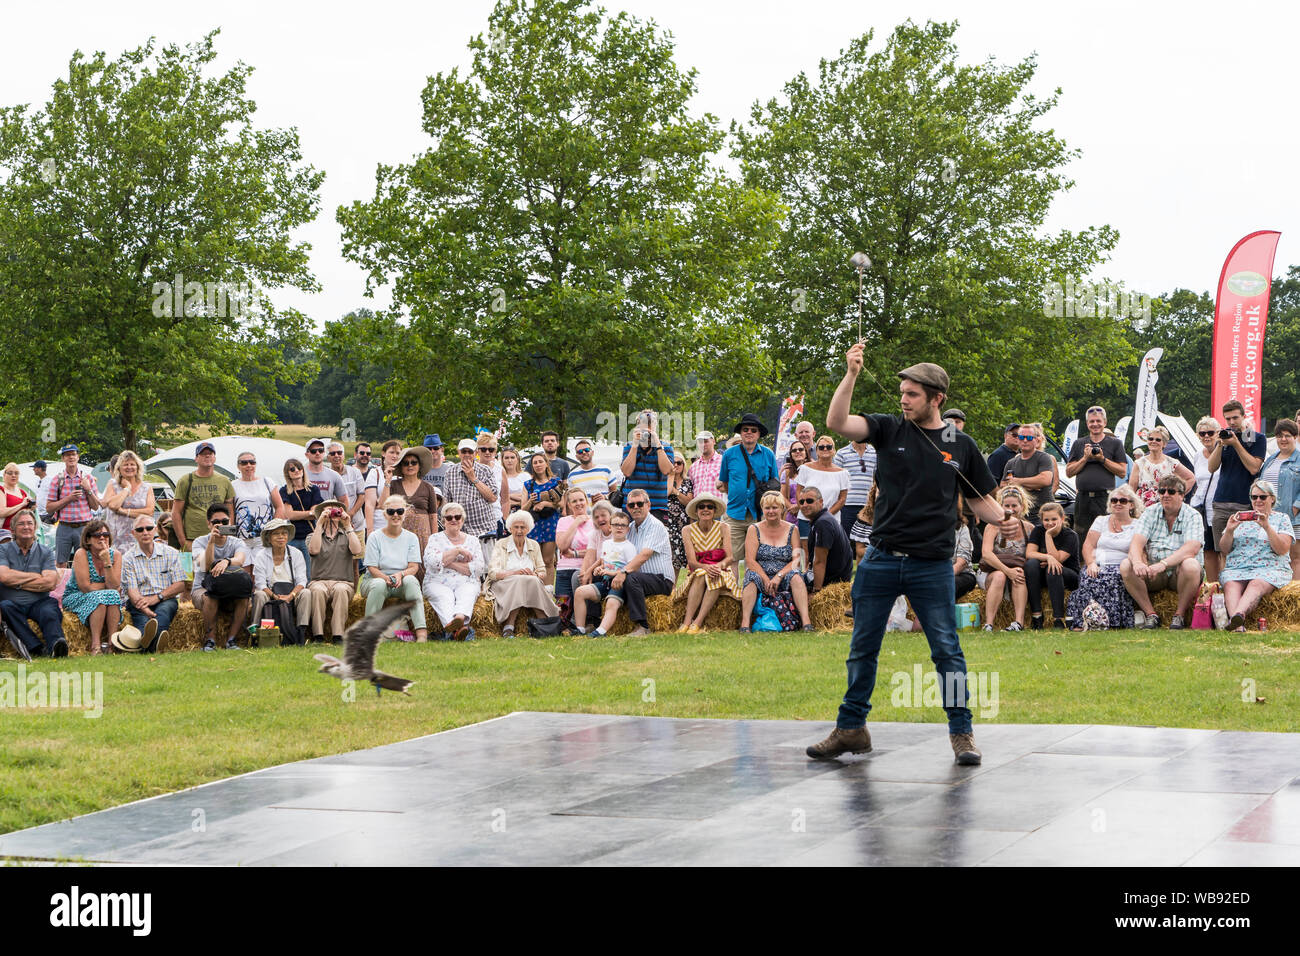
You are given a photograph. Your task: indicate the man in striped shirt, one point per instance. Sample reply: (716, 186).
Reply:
(647, 460)
(152, 580)
(651, 571)
(859, 460)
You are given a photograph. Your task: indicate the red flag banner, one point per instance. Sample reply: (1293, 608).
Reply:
(1240, 314)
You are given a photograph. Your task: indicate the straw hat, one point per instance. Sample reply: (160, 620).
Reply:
(423, 454)
(332, 503)
(275, 524)
(128, 638)
(704, 496)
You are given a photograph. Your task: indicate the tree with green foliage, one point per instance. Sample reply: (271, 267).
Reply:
(941, 175)
(565, 239)
(140, 214)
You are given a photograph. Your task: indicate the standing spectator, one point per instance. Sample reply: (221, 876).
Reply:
(217, 556)
(859, 460)
(42, 490)
(1095, 462)
(1001, 456)
(453, 574)
(704, 470)
(14, 500)
(420, 500)
(392, 453)
(1238, 455)
(1031, 471)
(354, 483)
(1040, 444)
(437, 469)
(711, 567)
(827, 477)
(512, 487)
(198, 491)
(325, 479)
(473, 487)
(1207, 483)
(1151, 467)
(280, 574)
(646, 463)
(27, 576)
(558, 464)
(1284, 467)
(1165, 555)
(957, 417)
(796, 456)
(805, 434)
(1256, 554)
(94, 591)
(1052, 558)
(127, 497)
(334, 547)
(372, 479)
(300, 500)
(651, 571)
(680, 491)
(257, 501)
(543, 495)
(487, 456)
(153, 581)
(744, 465)
(72, 497)
(830, 556)
(596, 480)
(392, 559)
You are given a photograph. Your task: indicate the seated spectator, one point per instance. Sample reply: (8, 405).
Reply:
(280, 574)
(475, 488)
(963, 574)
(423, 496)
(680, 491)
(256, 502)
(1256, 548)
(334, 545)
(772, 557)
(651, 571)
(1282, 470)
(1165, 554)
(392, 558)
(72, 497)
(1052, 558)
(828, 478)
(829, 552)
(1003, 559)
(1032, 471)
(1238, 455)
(94, 590)
(15, 500)
(615, 553)
(571, 537)
(1105, 547)
(453, 573)
(1154, 465)
(543, 494)
(711, 567)
(516, 575)
(647, 460)
(300, 501)
(796, 456)
(127, 497)
(27, 576)
(596, 480)
(153, 581)
(222, 578)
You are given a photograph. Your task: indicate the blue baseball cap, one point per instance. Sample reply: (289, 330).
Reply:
(432, 441)
(39, 463)
(205, 446)
(67, 448)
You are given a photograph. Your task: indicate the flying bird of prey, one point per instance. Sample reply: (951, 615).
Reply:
(359, 646)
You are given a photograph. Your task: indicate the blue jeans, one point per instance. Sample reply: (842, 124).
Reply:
(166, 610)
(928, 584)
(301, 545)
(45, 612)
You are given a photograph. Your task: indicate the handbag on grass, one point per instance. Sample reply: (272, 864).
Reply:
(543, 627)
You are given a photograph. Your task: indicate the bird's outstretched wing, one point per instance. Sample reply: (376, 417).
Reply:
(363, 637)
(389, 682)
(326, 659)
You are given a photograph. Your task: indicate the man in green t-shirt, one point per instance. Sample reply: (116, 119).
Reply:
(195, 492)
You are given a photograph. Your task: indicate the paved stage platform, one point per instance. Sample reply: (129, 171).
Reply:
(537, 788)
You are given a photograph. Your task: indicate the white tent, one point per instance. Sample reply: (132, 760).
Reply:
(271, 455)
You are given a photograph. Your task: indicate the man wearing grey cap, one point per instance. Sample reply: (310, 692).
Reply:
(923, 465)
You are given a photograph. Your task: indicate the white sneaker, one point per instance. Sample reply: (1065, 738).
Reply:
(988, 627)
(1139, 618)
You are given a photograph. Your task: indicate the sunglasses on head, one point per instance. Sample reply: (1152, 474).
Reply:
(394, 511)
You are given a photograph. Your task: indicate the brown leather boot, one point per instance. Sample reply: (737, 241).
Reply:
(964, 749)
(857, 741)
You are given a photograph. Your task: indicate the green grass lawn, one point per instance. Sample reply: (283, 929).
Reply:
(183, 719)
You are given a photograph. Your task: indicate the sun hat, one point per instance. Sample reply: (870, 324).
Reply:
(701, 498)
(275, 524)
(331, 503)
(420, 452)
(128, 638)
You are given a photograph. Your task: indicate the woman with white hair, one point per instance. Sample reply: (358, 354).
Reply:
(516, 574)
(127, 497)
(1256, 549)
(392, 558)
(453, 574)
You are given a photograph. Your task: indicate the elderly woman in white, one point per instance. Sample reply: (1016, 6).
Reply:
(516, 574)
(280, 573)
(453, 574)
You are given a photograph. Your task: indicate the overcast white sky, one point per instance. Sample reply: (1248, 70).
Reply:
(1183, 112)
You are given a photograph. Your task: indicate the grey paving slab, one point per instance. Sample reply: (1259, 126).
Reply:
(604, 790)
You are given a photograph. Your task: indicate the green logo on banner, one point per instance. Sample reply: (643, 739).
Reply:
(1247, 283)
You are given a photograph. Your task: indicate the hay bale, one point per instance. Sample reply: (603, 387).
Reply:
(826, 608)
(723, 616)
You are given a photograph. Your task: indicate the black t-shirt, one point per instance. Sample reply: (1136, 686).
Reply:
(998, 459)
(828, 532)
(1093, 476)
(1036, 464)
(1066, 540)
(919, 475)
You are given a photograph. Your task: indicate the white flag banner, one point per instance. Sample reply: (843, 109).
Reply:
(1071, 436)
(1121, 428)
(1144, 416)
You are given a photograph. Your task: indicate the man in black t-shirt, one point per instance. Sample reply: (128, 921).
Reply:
(922, 465)
(830, 556)
(1095, 463)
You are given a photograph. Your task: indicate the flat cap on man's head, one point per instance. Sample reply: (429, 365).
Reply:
(927, 373)
(955, 413)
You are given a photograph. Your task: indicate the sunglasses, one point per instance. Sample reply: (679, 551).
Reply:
(825, 447)
(102, 534)
(1026, 437)
(1260, 497)
(1204, 434)
(363, 454)
(807, 501)
(1164, 492)
(333, 453)
(143, 528)
(638, 504)
(394, 511)
(450, 517)
(315, 451)
(703, 507)
(1121, 501)
(243, 463)
(410, 461)
(493, 448)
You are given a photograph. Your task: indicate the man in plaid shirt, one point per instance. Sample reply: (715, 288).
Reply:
(72, 499)
(704, 471)
(152, 580)
(1165, 554)
(474, 487)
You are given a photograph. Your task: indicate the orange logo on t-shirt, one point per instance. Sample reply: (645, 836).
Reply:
(947, 458)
